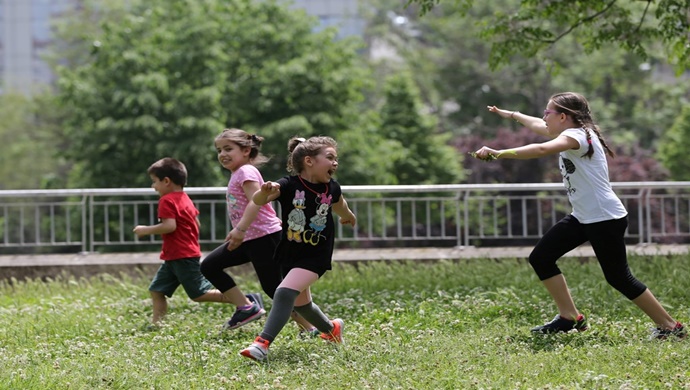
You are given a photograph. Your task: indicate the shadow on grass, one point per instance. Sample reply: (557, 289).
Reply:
(553, 342)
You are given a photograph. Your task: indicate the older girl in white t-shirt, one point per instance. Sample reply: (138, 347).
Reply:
(598, 215)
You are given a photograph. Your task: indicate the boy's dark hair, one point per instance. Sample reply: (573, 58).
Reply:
(170, 168)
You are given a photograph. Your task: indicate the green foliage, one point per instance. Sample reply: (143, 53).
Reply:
(145, 79)
(167, 76)
(76, 29)
(30, 139)
(366, 156)
(672, 148)
(427, 157)
(15, 142)
(535, 26)
(416, 325)
(634, 99)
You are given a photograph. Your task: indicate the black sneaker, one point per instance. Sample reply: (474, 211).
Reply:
(560, 324)
(244, 316)
(663, 334)
(256, 297)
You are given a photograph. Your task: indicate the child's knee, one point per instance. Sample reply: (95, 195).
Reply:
(157, 295)
(201, 298)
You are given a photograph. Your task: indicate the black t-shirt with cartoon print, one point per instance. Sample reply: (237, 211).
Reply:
(308, 227)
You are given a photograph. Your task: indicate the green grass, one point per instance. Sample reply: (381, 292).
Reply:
(443, 325)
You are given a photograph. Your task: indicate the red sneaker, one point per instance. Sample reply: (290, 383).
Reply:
(335, 335)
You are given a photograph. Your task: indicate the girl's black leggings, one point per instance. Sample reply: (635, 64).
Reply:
(607, 240)
(258, 251)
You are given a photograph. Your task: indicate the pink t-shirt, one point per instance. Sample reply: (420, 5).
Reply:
(266, 221)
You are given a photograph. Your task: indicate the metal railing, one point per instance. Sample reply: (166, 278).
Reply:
(70, 220)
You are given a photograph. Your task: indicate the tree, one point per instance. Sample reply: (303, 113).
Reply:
(634, 100)
(536, 25)
(29, 143)
(633, 97)
(506, 171)
(427, 157)
(165, 77)
(673, 147)
(365, 155)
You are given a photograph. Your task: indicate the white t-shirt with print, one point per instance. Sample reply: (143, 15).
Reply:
(587, 180)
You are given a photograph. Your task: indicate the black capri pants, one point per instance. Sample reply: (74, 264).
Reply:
(258, 251)
(607, 240)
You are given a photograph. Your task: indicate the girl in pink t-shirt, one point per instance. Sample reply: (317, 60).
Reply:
(256, 229)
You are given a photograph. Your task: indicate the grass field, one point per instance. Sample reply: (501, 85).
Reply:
(440, 325)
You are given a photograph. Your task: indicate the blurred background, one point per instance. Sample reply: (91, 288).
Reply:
(94, 91)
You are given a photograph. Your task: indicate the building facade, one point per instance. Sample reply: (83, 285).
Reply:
(25, 38)
(342, 14)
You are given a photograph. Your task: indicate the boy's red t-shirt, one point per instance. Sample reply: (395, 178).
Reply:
(184, 241)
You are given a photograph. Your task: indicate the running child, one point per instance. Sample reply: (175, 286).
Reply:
(598, 215)
(179, 228)
(307, 198)
(255, 233)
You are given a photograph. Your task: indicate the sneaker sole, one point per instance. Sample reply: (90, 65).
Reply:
(580, 325)
(248, 354)
(255, 317)
(560, 331)
(670, 337)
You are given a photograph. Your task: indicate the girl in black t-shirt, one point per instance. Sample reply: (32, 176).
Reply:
(307, 199)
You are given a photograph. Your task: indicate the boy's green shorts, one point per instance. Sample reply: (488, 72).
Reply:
(185, 272)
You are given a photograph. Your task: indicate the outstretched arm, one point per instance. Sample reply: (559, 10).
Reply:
(556, 145)
(533, 123)
(268, 192)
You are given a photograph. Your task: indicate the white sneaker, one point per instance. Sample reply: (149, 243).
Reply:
(257, 351)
